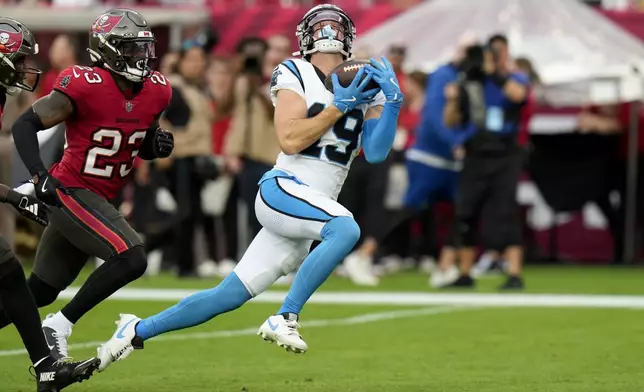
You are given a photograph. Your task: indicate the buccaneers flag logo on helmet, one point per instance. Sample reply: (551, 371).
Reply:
(9, 42)
(105, 23)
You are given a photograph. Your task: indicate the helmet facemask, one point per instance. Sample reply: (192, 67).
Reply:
(16, 74)
(131, 58)
(325, 30)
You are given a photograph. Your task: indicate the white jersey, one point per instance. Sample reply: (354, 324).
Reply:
(323, 165)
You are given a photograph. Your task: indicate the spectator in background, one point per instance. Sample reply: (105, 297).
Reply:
(169, 63)
(613, 120)
(62, 54)
(432, 165)
(525, 66)
(251, 145)
(366, 185)
(488, 103)
(492, 261)
(221, 79)
(189, 117)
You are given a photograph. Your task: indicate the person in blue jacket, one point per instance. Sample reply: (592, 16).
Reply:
(433, 164)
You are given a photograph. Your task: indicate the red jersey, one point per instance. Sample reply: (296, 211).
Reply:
(103, 136)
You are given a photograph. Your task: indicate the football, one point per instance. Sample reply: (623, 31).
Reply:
(346, 72)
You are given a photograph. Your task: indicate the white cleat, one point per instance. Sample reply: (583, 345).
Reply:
(443, 278)
(56, 335)
(359, 270)
(120, 345)
(276, 329)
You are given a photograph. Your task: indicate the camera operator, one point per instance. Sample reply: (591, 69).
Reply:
(486, 105)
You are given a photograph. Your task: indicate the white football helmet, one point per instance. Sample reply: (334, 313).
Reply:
(325, 28)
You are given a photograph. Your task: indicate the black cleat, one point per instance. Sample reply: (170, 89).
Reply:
(52, 376)
(513, 283)
(464, 281)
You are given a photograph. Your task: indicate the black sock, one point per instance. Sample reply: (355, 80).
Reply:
(20, 307)
(107, 279)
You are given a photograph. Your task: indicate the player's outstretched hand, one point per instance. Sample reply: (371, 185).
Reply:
(384, 74)
(29, 207)
(47, 189)
(348, 98)
(163, 143)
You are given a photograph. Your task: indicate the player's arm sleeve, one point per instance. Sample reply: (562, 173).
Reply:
(286, 76)
(379, 133)
(178, 112)
(167, 96)
(45, 113)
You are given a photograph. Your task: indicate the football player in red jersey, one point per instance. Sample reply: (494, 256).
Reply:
(110, 111)
(16, 44)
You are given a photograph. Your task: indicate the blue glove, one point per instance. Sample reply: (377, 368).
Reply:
(348, 98)
(384, 74)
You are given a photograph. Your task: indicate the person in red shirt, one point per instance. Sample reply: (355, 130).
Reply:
(111, 113)
(62, 55)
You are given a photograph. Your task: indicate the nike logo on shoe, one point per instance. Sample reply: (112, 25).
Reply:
(49, 337)
(43, 185)
(120, 335)
(271, 325)
(47, 376)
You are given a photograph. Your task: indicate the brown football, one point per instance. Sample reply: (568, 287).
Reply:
(346, 72)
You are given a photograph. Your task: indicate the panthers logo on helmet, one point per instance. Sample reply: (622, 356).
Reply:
(9, 42)
(105, 23)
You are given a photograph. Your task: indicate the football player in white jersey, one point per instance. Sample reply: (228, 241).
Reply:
(320, 133)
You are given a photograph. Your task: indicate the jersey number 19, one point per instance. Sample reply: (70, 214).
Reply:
(348, 128)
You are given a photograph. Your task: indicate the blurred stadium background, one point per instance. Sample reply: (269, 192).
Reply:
(576, 327)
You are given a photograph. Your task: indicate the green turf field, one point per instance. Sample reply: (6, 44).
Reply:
(381, 347)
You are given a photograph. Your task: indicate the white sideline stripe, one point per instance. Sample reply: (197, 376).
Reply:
(398, 298)
(360, 319)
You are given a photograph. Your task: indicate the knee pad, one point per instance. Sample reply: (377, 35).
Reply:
(136, 261)
(8, 266)
(43, 293)
(344, 230)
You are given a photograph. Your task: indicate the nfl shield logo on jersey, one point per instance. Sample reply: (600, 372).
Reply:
(128, 106)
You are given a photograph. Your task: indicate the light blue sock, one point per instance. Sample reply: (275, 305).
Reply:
(196, 309)
(339, 236)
